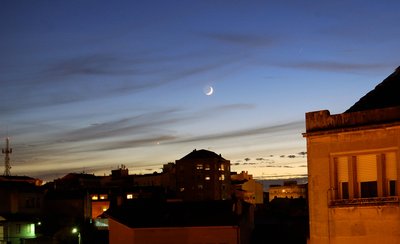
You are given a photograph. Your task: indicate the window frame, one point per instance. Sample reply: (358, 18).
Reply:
(387, 189)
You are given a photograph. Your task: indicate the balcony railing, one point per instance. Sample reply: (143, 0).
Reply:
(364, 201)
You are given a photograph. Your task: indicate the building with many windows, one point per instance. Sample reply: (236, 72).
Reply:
(353, 167)
(203, 175)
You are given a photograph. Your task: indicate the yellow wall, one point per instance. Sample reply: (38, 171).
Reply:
(356, 224)
(256, 191)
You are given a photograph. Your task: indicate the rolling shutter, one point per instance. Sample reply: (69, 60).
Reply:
(342, 169)
(367, 168)
(391, 169)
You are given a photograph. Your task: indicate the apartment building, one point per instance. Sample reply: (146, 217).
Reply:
(353, 167)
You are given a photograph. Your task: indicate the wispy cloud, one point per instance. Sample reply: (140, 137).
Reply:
(142, 123)
(101, 75)
(332, 66)
(246, 132)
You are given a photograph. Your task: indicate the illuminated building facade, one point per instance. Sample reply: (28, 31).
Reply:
(246, 188)
(289, 190)
(203, 175)
(353, 167)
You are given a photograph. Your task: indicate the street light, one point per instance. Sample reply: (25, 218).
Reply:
(74, 231)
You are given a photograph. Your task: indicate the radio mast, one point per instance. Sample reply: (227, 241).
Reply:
(7, 151)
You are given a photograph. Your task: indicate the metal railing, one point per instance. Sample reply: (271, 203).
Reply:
(364, 201)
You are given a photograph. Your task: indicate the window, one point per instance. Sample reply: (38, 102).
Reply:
(95, 197)
(369, 189)
(342, 177)
(30, 202)
(129, 196)
(345, 190)
(390, 173)
(365, 175)
(392, 188)
(30, 228)
(222, 167)
(199, 166)
(103, 196)
(207, 178)
(200, 187)
(207, 167)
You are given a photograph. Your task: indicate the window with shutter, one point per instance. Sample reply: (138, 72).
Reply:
(367, 177)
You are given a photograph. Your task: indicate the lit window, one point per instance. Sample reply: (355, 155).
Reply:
(103, 196)
(222, 177)
(182, 189)
(30, 228)
(207, 167)
(199, 166)
(222, 167)
(129, 196)
(104, 209)
(207, 178)
(95, 197)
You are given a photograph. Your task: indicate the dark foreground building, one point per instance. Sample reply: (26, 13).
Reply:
(160, 222)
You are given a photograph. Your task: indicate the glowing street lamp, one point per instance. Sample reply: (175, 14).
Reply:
(74, 231)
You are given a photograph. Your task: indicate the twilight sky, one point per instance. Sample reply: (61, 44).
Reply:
(89, 85)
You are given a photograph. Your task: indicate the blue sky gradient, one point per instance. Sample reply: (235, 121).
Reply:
(88, 85)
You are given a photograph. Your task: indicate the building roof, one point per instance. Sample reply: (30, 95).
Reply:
(380, 107)
(77, 176)
(18, 217)
(385, 95)
(25, 179)
(151, 213)
(201, 154)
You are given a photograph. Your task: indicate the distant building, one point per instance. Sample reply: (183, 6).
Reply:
(290, 189)
(25, 179)
(203, 175)
(165, 179)
(354, 169)
(21, 205)
(246, 188)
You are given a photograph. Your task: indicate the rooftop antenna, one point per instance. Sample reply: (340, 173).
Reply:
(7, 151)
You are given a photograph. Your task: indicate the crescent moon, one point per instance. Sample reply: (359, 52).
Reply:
(210, 91)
